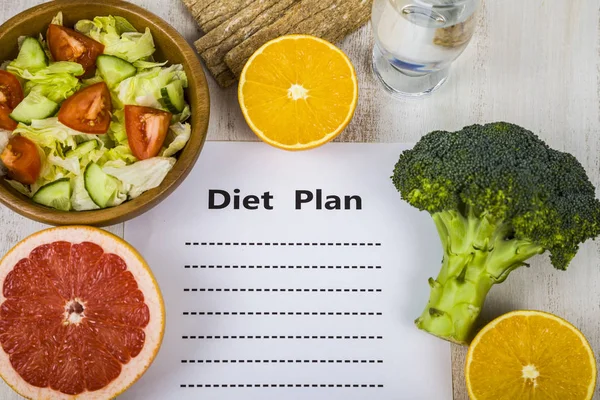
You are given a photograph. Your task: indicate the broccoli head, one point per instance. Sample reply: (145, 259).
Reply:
(498, 196)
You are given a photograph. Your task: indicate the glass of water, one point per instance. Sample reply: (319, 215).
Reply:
(416, 41)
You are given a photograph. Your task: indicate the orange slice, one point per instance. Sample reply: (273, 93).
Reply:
(530, 355)
(81, 316)
(298, 92)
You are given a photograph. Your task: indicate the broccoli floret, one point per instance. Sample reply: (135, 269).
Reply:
(498, 196)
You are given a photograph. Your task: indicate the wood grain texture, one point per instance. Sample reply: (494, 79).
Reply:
(535, 63)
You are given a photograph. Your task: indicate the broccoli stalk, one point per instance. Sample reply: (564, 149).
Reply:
(498, 196)
(476, 256)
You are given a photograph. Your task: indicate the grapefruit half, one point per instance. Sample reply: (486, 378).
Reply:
(81, 315)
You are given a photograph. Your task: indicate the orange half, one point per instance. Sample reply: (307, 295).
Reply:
(298, 92)
(530, 355)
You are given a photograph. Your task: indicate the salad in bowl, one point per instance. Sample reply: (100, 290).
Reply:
(88, 118)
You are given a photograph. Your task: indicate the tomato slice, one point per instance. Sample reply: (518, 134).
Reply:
(11, 93)
(146, 130)
(6, 122)
(69, 45)
(88, 110)
(22, 159)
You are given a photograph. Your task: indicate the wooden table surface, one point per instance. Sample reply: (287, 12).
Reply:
(534, 63)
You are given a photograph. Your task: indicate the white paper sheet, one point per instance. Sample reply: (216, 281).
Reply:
(286, 303)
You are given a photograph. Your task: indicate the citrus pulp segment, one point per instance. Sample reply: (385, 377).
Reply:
(81, 315)
(530, 355)
(298, 92)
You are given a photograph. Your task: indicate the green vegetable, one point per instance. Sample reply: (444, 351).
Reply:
(49, 133)
(498, 196)
(34, 106)
(143, 175)
(172, 97)
(57, 82)
(100, 186)
(144, 89)
(56, 195)
(114, 69)
(58, 19)
(123, 26)
(68, 163)
(97, 78)
(31, 56)
(80, 198)
(19, 187)
(117, 131)
(119, 37)
(82, 149)
(183, 116)
(177, 138)
(121, 153)
(149, 64)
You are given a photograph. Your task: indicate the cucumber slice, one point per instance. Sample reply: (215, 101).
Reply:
(31, 55)
(100, 186)
(34, 106)
(114, 69)
(82, 149)
(172, 97)
(56, 194)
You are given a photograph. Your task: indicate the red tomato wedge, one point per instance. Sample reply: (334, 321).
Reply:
(22, 159)
(146, 130)
(6, 122)
(88, 110)
(69, 45)
(11, 93)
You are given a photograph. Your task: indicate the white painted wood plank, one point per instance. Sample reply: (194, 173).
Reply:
(535, 63)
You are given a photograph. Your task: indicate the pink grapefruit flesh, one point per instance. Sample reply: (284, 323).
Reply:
(80, 317)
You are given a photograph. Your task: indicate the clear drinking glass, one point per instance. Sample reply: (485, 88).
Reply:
(416, 41)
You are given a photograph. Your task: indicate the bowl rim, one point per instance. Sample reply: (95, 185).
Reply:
(24, 206)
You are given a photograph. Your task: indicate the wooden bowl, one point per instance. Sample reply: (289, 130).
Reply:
(170, 45)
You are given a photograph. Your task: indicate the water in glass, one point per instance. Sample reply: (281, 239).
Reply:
(421, 37)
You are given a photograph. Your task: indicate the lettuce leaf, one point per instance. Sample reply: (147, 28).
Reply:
(49, 134)
(121, 152)
(58, 19)
(178, 136)
(19, 187)
(140, 64)
(80, 198)
(144, 88)
(70, 164)
(117, 132)
(57, 82)
(183, 116)
(123, 25)
(92, 81)
(119, 37)
(120, 196)
(142, 175)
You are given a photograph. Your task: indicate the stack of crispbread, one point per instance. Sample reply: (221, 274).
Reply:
(235, 29)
